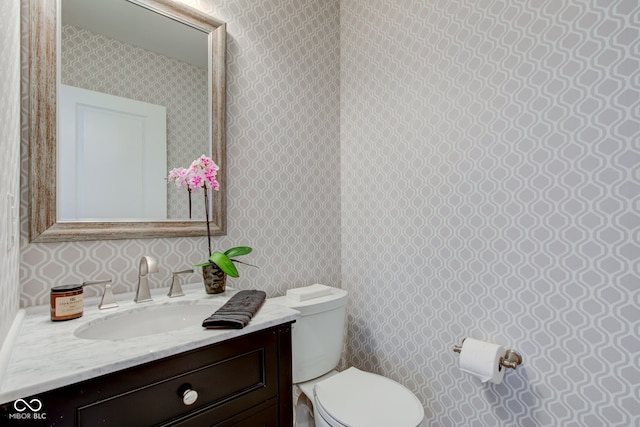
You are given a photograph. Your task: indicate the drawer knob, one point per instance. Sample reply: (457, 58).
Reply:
(189, 397)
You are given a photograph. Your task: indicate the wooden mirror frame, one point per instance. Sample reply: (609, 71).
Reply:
(40, 122)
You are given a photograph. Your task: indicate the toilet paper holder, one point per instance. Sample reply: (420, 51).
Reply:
(510, 360)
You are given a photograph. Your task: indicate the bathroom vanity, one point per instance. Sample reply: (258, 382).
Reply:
(185, 377)
(245, 381)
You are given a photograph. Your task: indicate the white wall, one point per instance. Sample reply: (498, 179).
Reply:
(490, 189)
(9, 162)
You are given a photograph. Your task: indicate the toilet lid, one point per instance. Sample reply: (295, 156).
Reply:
(357, 398)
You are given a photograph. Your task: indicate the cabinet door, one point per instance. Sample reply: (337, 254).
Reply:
(247, 378)
(100, 133)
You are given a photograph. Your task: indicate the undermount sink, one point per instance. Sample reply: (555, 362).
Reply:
(143, 321)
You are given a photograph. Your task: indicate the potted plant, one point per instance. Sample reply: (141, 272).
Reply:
(219, 266)
(201, 176)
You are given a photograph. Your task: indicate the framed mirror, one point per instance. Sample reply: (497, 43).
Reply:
(51, 73)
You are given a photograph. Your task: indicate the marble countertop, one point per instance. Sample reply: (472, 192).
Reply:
(39, 355)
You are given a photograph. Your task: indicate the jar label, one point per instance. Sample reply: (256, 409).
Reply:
(68, 306)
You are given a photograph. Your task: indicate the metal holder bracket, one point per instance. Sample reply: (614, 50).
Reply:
(511, 358)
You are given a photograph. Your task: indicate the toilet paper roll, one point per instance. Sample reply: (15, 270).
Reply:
(482, 359)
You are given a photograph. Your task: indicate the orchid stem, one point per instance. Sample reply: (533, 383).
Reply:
(206, 212)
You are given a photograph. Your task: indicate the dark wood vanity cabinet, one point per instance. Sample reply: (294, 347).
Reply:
(245, 381)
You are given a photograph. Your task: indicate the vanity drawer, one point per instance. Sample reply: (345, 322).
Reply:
(243, 379)
(247, 378)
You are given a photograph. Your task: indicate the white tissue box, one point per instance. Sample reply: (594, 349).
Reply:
(309, 292)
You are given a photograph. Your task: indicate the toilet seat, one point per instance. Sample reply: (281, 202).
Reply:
(357, 398)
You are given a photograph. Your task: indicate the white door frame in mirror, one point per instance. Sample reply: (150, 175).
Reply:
(40, 121)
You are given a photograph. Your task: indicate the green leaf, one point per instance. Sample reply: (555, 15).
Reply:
(203, 264)
(225, 264)
(237, 251)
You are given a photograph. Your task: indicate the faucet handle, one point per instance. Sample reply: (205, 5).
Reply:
(108, 300)
(176, 289)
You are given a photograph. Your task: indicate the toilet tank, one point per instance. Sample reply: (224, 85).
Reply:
(317, 336)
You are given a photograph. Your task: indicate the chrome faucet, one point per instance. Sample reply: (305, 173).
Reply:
(176, 289)
(148, 265)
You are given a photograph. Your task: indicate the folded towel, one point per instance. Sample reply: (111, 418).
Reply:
(237, 312)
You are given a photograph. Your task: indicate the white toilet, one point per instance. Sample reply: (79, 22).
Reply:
(352, 397)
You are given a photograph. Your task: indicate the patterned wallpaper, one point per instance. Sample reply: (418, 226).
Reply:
(102, 64)
(486, 186)
(490, 188)
(283, 165)
(9, 161)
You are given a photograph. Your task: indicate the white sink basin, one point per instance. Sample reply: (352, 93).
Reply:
(146, 320)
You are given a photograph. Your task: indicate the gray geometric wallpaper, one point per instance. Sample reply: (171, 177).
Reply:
(99, 63)
(282, 164)
(490, 187)
(9, 162)
(461, 168)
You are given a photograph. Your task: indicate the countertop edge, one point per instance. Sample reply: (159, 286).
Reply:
(9, 341)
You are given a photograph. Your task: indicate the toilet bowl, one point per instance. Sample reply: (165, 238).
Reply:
(326, 397)
(357, 398)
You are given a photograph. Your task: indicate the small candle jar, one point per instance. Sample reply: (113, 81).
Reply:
(66, 302)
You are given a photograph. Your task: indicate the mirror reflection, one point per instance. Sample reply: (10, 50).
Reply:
(172, 64)
(133, 104)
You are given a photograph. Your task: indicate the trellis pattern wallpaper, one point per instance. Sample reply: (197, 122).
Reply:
(9, 162)
(490, 188)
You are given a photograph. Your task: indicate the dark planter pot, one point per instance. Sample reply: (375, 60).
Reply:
(214, 279)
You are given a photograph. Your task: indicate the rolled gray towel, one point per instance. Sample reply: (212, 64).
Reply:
(237, 312)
